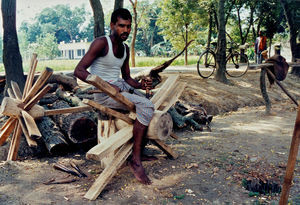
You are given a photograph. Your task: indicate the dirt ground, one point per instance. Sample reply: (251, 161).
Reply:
(211, 165)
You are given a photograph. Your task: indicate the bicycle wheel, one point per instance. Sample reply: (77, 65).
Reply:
(206, 64)
(237, 65)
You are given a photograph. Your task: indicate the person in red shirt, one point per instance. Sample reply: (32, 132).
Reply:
(260, 46)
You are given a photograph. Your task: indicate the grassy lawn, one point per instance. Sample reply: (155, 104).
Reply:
(61, 65)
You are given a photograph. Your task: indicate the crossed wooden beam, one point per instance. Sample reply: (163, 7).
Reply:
(22, 110)
(117, 147)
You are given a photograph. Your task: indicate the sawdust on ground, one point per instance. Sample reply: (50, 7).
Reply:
(210, 167)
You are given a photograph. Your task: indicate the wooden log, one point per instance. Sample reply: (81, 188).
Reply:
(53, 138)
(67, 82)
(291, 161)
(160, 127)
(109, 90)
(112, 143)
(71, 99)
(109, 172)
(9, 127)
(78, 127)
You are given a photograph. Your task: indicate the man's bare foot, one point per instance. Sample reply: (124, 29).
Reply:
(148, 158)
(139, 172)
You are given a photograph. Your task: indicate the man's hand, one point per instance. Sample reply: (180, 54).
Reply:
(146, 84)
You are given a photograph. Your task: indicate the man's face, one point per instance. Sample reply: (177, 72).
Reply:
(121, 28)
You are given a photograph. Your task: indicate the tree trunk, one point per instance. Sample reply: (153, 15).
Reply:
(186, 42)
(118, 4)
(221, 51)
(294, 26)
(209, 28)
(98, 18)
(132, 46)
(12, 59)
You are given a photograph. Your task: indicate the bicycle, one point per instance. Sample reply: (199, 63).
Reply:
(236, 64)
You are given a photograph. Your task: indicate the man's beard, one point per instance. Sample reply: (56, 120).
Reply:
(124, 36)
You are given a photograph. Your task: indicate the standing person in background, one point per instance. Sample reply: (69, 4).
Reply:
(108, 58)
(260, 46)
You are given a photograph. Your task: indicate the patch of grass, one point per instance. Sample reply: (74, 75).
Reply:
(155, 61)
(63, 65)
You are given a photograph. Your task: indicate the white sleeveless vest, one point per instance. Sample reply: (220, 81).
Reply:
(108, 67)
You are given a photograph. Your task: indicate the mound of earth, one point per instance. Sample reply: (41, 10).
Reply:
(211, 167)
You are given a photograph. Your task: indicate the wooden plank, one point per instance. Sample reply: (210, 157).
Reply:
(109, 90)
(109, 172)
(108, 111)
(106, 129)
(38, 84)
(67, 110)
(173, 97)
(30, 75)
(294, 148)
(30, 141)
(7, 123)
(15, 143)
(33, 130)
(164, 91)
(174, 136)
(165, 148)
(16, 90)
(114, 141)
(37, 97)
(9, 127)
(11, 93)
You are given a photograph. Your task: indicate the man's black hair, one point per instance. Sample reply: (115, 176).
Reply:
(120, 13)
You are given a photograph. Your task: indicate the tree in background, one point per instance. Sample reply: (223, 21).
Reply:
(292, 14)
(119, 4)
(221, 51)
(178, 19)
(64, 22)
(98, 18)
(47, 47)
(12, 59)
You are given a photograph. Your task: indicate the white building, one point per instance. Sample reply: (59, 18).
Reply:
(74, 50)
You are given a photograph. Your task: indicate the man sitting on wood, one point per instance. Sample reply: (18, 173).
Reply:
(108, 57)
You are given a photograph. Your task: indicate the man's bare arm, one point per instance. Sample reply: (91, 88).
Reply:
(96, 49)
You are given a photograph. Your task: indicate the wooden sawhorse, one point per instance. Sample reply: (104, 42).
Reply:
(114, 135)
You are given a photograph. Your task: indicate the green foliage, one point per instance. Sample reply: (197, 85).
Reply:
(177, 18)
(61, 20)
(46, 47)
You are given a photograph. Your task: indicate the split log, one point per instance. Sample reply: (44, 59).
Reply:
(78, 127)
(71, 99)
(69, 83)
(53, 138)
